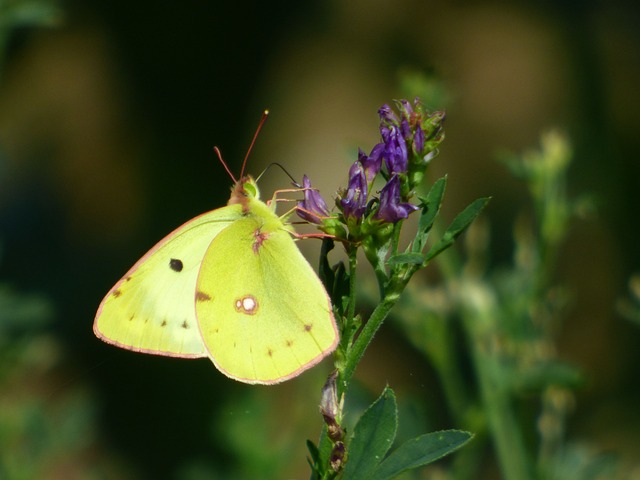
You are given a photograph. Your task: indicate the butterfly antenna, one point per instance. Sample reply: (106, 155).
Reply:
(224, 164)
(293, 180)
(265, 114)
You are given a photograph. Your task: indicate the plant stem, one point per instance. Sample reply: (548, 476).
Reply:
(364, 339)
(353, 264)
(481, 324)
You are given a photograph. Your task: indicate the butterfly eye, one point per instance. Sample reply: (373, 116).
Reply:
(250, 189)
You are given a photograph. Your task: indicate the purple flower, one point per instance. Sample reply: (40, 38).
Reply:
(405, 129)
(353, 203)
(387, 114)
(391, 210)
(395, 150)
(418, 141)
(407, 109)
(373, 162)
(313, 208)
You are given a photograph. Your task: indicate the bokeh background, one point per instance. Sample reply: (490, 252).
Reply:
(108, 118)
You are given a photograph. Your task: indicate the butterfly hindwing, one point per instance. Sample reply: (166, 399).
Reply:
(270, 318)
(151, 309)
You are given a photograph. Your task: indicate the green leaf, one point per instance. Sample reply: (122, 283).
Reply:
(372, 437)
(314, 452)
(335, 279)
(420, 451)
(430, 209)
(459, 225)
(404, 258)
(324, 452)
(326, 273)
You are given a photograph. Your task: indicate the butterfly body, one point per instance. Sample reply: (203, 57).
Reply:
(231, 285)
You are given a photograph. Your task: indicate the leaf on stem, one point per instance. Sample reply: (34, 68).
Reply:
(459, 225)
(420, 451)
(314, 461)
(372, 437)
(323, 450)
(335, 279)
(430, 208)
(406, 258)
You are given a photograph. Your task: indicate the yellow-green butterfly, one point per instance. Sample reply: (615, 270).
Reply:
(231, 285)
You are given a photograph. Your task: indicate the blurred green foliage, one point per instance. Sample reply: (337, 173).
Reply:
(42, 427)
(16, 14)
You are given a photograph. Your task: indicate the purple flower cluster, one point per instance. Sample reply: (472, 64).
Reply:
(410, 136)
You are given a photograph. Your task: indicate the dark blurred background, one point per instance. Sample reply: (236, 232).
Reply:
(107, 125)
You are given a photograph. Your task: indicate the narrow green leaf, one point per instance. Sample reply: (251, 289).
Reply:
(313, 451)
(420, 451)
(324, 452)
(430, 209)
(403, 258)
(372, 437)
(459, 225)
(325, 272)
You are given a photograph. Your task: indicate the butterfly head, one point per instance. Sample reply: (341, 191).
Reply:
(243, 191)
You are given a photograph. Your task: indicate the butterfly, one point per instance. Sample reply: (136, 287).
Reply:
(230, 285)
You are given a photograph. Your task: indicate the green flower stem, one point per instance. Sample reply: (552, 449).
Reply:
(353, 264)
(361, 343)
(381, 276)
(390, 290)
(395, 237)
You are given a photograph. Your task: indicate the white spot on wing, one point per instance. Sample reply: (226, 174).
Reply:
(247, 305)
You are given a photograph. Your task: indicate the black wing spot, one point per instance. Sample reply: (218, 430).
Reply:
(289, 343)
(185, 325)
(307, 327)
(176, 265)
(116, 293)
(270, 352)
(164, 323)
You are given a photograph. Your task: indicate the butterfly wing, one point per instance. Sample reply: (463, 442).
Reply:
(151, 309)
(263, 313)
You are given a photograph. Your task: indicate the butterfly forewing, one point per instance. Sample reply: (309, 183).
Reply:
(151, 309)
